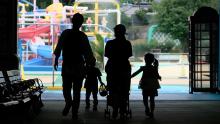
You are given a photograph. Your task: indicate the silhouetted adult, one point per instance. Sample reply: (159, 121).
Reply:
(76, 52)
(118, 69)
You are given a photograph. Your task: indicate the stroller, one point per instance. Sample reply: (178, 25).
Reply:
(110, 102)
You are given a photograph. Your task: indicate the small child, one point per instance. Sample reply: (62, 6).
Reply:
(149, 82)
(91, 84)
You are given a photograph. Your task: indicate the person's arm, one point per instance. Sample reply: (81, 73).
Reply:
(107, 54)
(155, 72)
(99, 74)
(156, 65)
(100, 80)
(130, 50)
(87, 51)
(137, 72)
(158, 76)
(58, 50)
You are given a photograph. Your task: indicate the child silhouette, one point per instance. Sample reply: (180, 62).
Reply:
(91, 84)
(149, 82)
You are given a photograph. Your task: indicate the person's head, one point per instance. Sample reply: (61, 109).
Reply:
(77, 20)
(149, 58)
(119, 30)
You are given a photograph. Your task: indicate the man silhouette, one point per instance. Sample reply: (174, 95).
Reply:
(118, 69)
(76, 52)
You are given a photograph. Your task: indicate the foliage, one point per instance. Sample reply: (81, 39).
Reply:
(42, 4)
(134, 32)
(169, 46)
(126, 1)
(140, 46)
(98, 50)
(67, 2)
(111, 20)
(142, 16)
(150, 9)
(125, 20)
(172, 16)
(139, 1)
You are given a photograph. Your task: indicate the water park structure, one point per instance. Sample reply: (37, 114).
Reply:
(39, 29)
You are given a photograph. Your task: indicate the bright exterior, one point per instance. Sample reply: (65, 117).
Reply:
(150, 27)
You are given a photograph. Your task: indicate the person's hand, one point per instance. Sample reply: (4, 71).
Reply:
(139, 86)
(160, 78)
(156, 63)
(55, 64)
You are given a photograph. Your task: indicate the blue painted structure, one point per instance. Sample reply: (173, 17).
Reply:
(151, 32)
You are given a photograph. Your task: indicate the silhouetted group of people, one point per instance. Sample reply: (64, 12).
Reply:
(79, 63)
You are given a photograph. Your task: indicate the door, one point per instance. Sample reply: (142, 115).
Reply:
(203, 50)
(202, 69)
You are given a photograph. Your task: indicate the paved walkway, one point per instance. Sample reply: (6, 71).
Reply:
(172, 74)
(167, 112)
(136, 95)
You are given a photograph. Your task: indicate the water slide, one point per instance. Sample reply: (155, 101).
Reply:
(36, 44)
(30, 32)
(151, 32)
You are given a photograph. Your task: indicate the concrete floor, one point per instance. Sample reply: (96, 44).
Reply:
(137, 95)
(167, 112)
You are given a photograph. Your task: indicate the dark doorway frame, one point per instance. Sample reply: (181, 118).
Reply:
(204, 50)
(8, 31)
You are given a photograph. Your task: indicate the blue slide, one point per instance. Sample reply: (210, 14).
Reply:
(151, 32)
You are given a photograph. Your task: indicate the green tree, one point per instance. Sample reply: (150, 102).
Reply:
(142, 16)
(126, 1)
(125, 20)
(172, 16)
(42, 4)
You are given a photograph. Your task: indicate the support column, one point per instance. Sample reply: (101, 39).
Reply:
(8, 37)
(219, 52)
(96, 16)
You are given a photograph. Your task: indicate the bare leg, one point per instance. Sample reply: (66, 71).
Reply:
(88, 93)
(145, 100)
(152, 105)
(95, 99)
